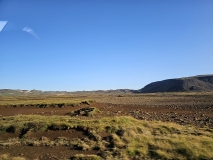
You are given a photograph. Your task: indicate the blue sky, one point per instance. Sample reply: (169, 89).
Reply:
(76, 45)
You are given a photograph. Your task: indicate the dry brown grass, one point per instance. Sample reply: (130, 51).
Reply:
(128, 137)
(7, 157)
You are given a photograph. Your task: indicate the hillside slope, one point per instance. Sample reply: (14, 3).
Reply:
(195, 83)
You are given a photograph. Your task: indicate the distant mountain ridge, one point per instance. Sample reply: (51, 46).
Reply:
(186, 84)
(18, 92)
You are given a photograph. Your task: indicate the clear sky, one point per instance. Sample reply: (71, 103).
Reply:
(74, 45)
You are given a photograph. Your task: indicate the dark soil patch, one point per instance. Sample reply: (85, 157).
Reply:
(33, 110)
(43, 153)
(6, 136)
(53, 134)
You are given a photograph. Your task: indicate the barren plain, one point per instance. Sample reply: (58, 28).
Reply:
(58, 126)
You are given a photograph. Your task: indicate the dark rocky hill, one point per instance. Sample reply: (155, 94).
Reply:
(186, 84)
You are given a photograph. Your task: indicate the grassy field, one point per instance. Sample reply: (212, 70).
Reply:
(36, 100)
(127, 138)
